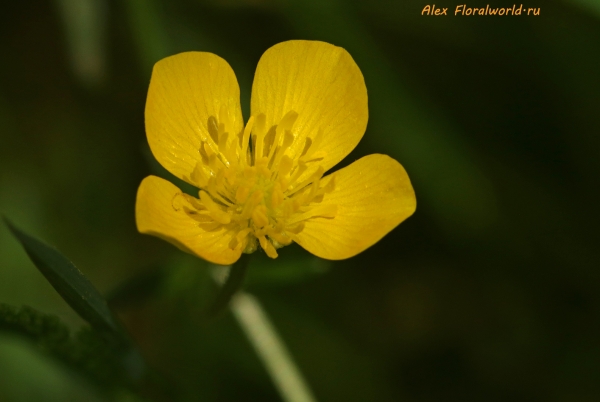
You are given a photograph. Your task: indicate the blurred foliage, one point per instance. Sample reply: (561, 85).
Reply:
(491, 291)
(87, 354)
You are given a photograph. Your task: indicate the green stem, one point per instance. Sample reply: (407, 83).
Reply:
(232, 284)
(261, 333)
(270, 349)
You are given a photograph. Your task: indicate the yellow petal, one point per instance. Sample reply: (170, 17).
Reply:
(186, 91)
(373, 195)
(321, 83)
(159, 212)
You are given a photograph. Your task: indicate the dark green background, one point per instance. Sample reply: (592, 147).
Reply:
(490, 292)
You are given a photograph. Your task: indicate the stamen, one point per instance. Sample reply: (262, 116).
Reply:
(262, 167)
(319, 211)
(313, 157)
(199, 176)
(242, 234)
(280, 238)
(276, 196)
(311, 150)
(255, 198)
(288, 139)
(208, 149)
(269, 141)
(242, 193)
(213, 131)
(267, 246)
(284, 126)
(300, 169)
(296, 229)
(216, 187)
(257, 182)
(287, 121)
(215, 212)
(259, 216)
(179, 199)
(223, 137)
(224, 117)
(246, 138)
(259, 135)
(285, 166)
(307, 144)
(313, 177)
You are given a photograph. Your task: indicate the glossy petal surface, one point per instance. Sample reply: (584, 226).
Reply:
(160, 212)
(373, 195)
(323, 85)
(187, 97)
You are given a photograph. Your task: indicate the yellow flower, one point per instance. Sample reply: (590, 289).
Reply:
(263, 183)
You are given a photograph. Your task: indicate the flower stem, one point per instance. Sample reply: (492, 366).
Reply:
(270, 348)
(232, 284)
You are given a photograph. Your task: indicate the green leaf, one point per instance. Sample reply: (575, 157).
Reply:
(69, 282)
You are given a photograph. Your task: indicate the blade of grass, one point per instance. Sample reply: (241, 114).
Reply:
(69, 282)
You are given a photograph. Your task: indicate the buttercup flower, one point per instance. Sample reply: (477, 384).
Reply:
(263, 184)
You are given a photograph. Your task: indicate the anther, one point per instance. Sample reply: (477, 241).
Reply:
(215, 212)
(246, 138)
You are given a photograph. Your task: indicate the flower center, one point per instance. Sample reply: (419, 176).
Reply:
(260, 184)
